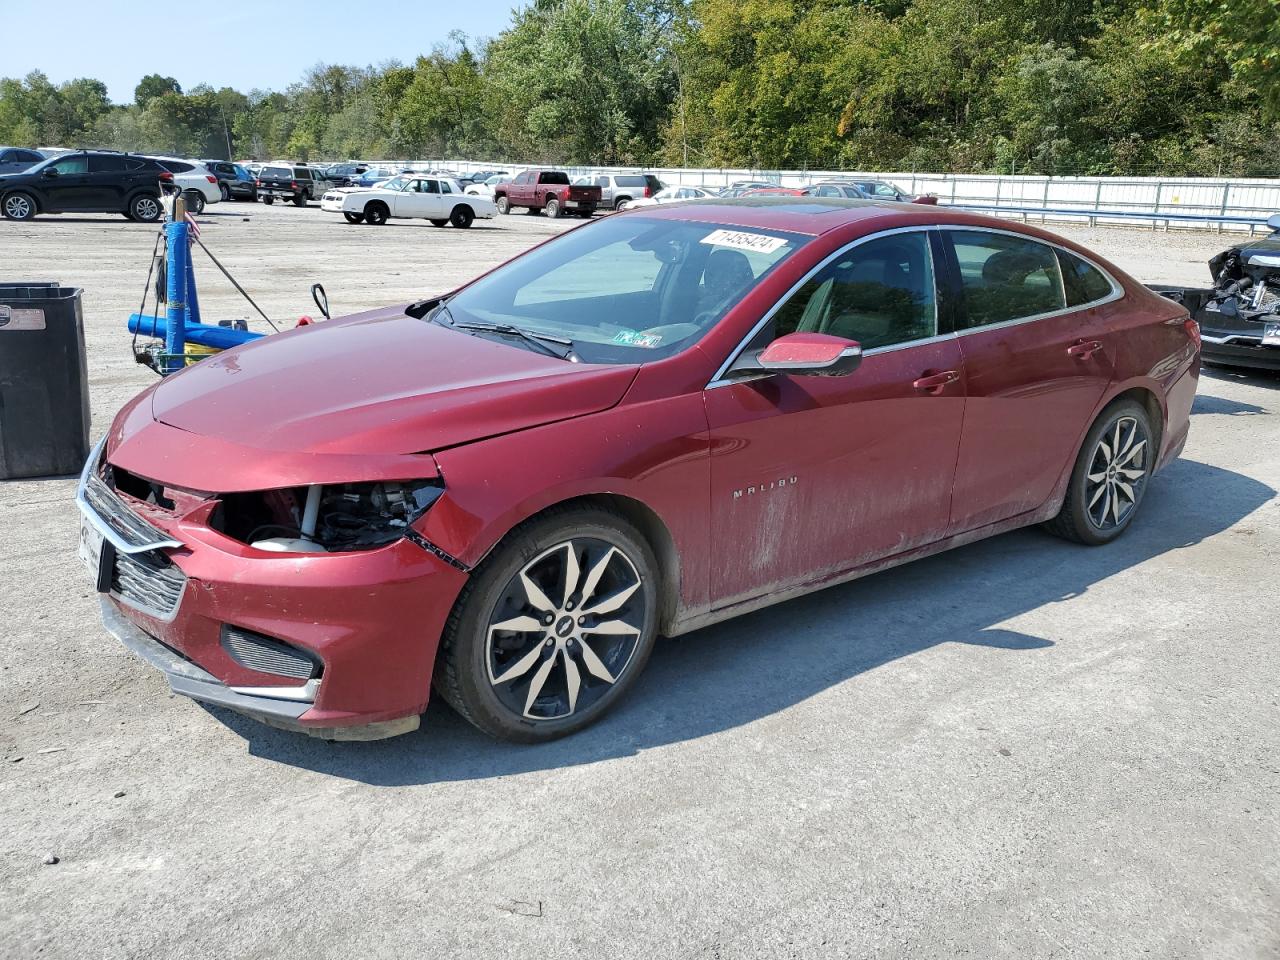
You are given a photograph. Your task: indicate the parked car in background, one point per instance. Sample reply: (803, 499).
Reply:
(883, 190)
(670, 195)
(86, 181)
(548, 191)
(836, 188)
(234, 181)
(772, 191)
(506, 493)
(619, 189)
(291, 182)
(253, 166)
(739, 187)
(1239, 315)
(198, 185)
(438, 199)
(17, 159)
(486, 187)
(373, 175)
(343, 174)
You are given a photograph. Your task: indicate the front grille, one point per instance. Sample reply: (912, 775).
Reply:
(111, 510)
(266, 655)
(148, 581)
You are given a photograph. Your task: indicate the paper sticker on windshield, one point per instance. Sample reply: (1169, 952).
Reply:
(740, 240)
(633, 339)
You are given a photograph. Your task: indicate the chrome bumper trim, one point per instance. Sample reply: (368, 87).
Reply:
(147, 536)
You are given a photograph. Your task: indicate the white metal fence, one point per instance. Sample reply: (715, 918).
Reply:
(1079, 199)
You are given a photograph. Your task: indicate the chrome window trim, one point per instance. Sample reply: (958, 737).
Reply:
(717, 380)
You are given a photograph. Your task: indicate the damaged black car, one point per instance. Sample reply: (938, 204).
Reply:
(1239, 315)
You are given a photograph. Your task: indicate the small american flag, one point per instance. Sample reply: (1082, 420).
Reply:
(195, 227)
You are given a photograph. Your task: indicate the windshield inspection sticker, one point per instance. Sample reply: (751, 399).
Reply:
(738, 240)
(633, 339)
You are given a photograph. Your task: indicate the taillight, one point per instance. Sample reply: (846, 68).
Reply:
(1193, 330)
(212, 179)
(166, 176)
(648, 191)
(293, 185)
(257, 183)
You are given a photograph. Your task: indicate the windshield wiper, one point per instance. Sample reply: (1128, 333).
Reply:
(543, 341)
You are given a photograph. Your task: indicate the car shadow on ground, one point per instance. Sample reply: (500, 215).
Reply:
(1247, 376)
(749, 668)
(1221, 406)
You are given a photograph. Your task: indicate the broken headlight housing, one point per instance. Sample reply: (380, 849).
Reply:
(361, 516)
(348, 516)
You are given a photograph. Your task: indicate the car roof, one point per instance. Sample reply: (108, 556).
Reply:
(815, 216)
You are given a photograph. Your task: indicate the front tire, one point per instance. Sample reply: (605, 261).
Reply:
(503, 204)
(553, 628)
(1109, 478)
(19, 206)
(375, 214)
(439, 223)
(354, 217)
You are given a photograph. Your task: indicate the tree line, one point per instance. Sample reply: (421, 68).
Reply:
(1169, 87)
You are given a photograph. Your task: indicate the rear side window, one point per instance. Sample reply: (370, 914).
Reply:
(878, 293)
(301, 173)
(1003, 277)
(554, 176)
(1084, 283)
(444, 187)
(630, 181)
(25, 156)
(176, 166)
(107, 165)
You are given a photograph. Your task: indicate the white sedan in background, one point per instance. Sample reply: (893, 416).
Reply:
(669, 195)
(485, 187)
(414, 196)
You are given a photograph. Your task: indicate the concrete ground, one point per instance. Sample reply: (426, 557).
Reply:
(1022, 748)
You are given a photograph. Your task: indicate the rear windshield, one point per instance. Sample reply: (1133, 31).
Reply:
(277, 173)
(176, 166)
(630, 181)
(553, 176)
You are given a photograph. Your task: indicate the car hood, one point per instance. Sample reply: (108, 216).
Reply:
(379, 383)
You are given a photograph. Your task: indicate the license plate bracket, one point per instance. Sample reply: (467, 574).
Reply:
(1271, 334)
(98, 555)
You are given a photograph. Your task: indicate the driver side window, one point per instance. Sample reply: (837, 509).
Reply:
(879, 293)
(71, 165)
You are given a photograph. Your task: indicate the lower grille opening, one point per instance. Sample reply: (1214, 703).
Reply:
(267, 655)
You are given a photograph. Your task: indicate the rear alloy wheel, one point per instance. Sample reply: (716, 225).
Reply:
(503, 204)
(375, 214)
(553, 628)
(299, 199)
(145, 209)
(1109, 478)
(621, 204)
(354, 217)
(552, 209)
(19, 206)
(225, 191)
(462, 217)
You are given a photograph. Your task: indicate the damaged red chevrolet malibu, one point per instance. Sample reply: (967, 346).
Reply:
(645, 425)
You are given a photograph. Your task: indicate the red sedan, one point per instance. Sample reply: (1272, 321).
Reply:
(645, 425)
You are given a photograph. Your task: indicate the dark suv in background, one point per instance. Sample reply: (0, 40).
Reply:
(293, 182)
(17, 159)
(85, 181)
(234, 181)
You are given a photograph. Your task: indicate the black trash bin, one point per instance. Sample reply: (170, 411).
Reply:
(44, 382)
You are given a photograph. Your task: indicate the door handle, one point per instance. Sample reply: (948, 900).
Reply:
(1084, 349)
(934, 383)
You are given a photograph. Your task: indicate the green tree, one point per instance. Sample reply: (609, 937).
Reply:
(153, 85)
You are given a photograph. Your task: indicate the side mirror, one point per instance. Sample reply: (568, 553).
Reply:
(1273, 221)
(803, 355)
(48, 172)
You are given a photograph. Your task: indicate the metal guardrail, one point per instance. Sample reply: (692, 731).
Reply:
(1093, 215)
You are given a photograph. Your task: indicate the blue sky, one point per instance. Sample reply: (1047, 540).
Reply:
(222, 43)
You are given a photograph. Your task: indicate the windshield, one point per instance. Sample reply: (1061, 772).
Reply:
(395, 184)
(630, 289)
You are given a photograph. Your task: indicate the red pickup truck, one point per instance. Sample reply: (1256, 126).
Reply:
(548, 191)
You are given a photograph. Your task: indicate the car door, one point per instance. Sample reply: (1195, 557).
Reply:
(106, 182)
(65, 183)
(814, 475)
(1036, 369)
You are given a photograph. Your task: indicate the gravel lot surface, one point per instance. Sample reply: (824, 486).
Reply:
(1021, 748)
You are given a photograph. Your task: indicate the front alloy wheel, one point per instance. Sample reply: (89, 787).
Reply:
(18, 206)
(549, 634)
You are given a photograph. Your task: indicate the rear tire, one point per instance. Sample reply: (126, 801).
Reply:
(376, 213)
(552, 209)
(1106, 487)
(580, 672)
(225, 191)
(299, 199)
(621, 203)
(462, 217)
(268, 200)
(145, 208)
(195, 202)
